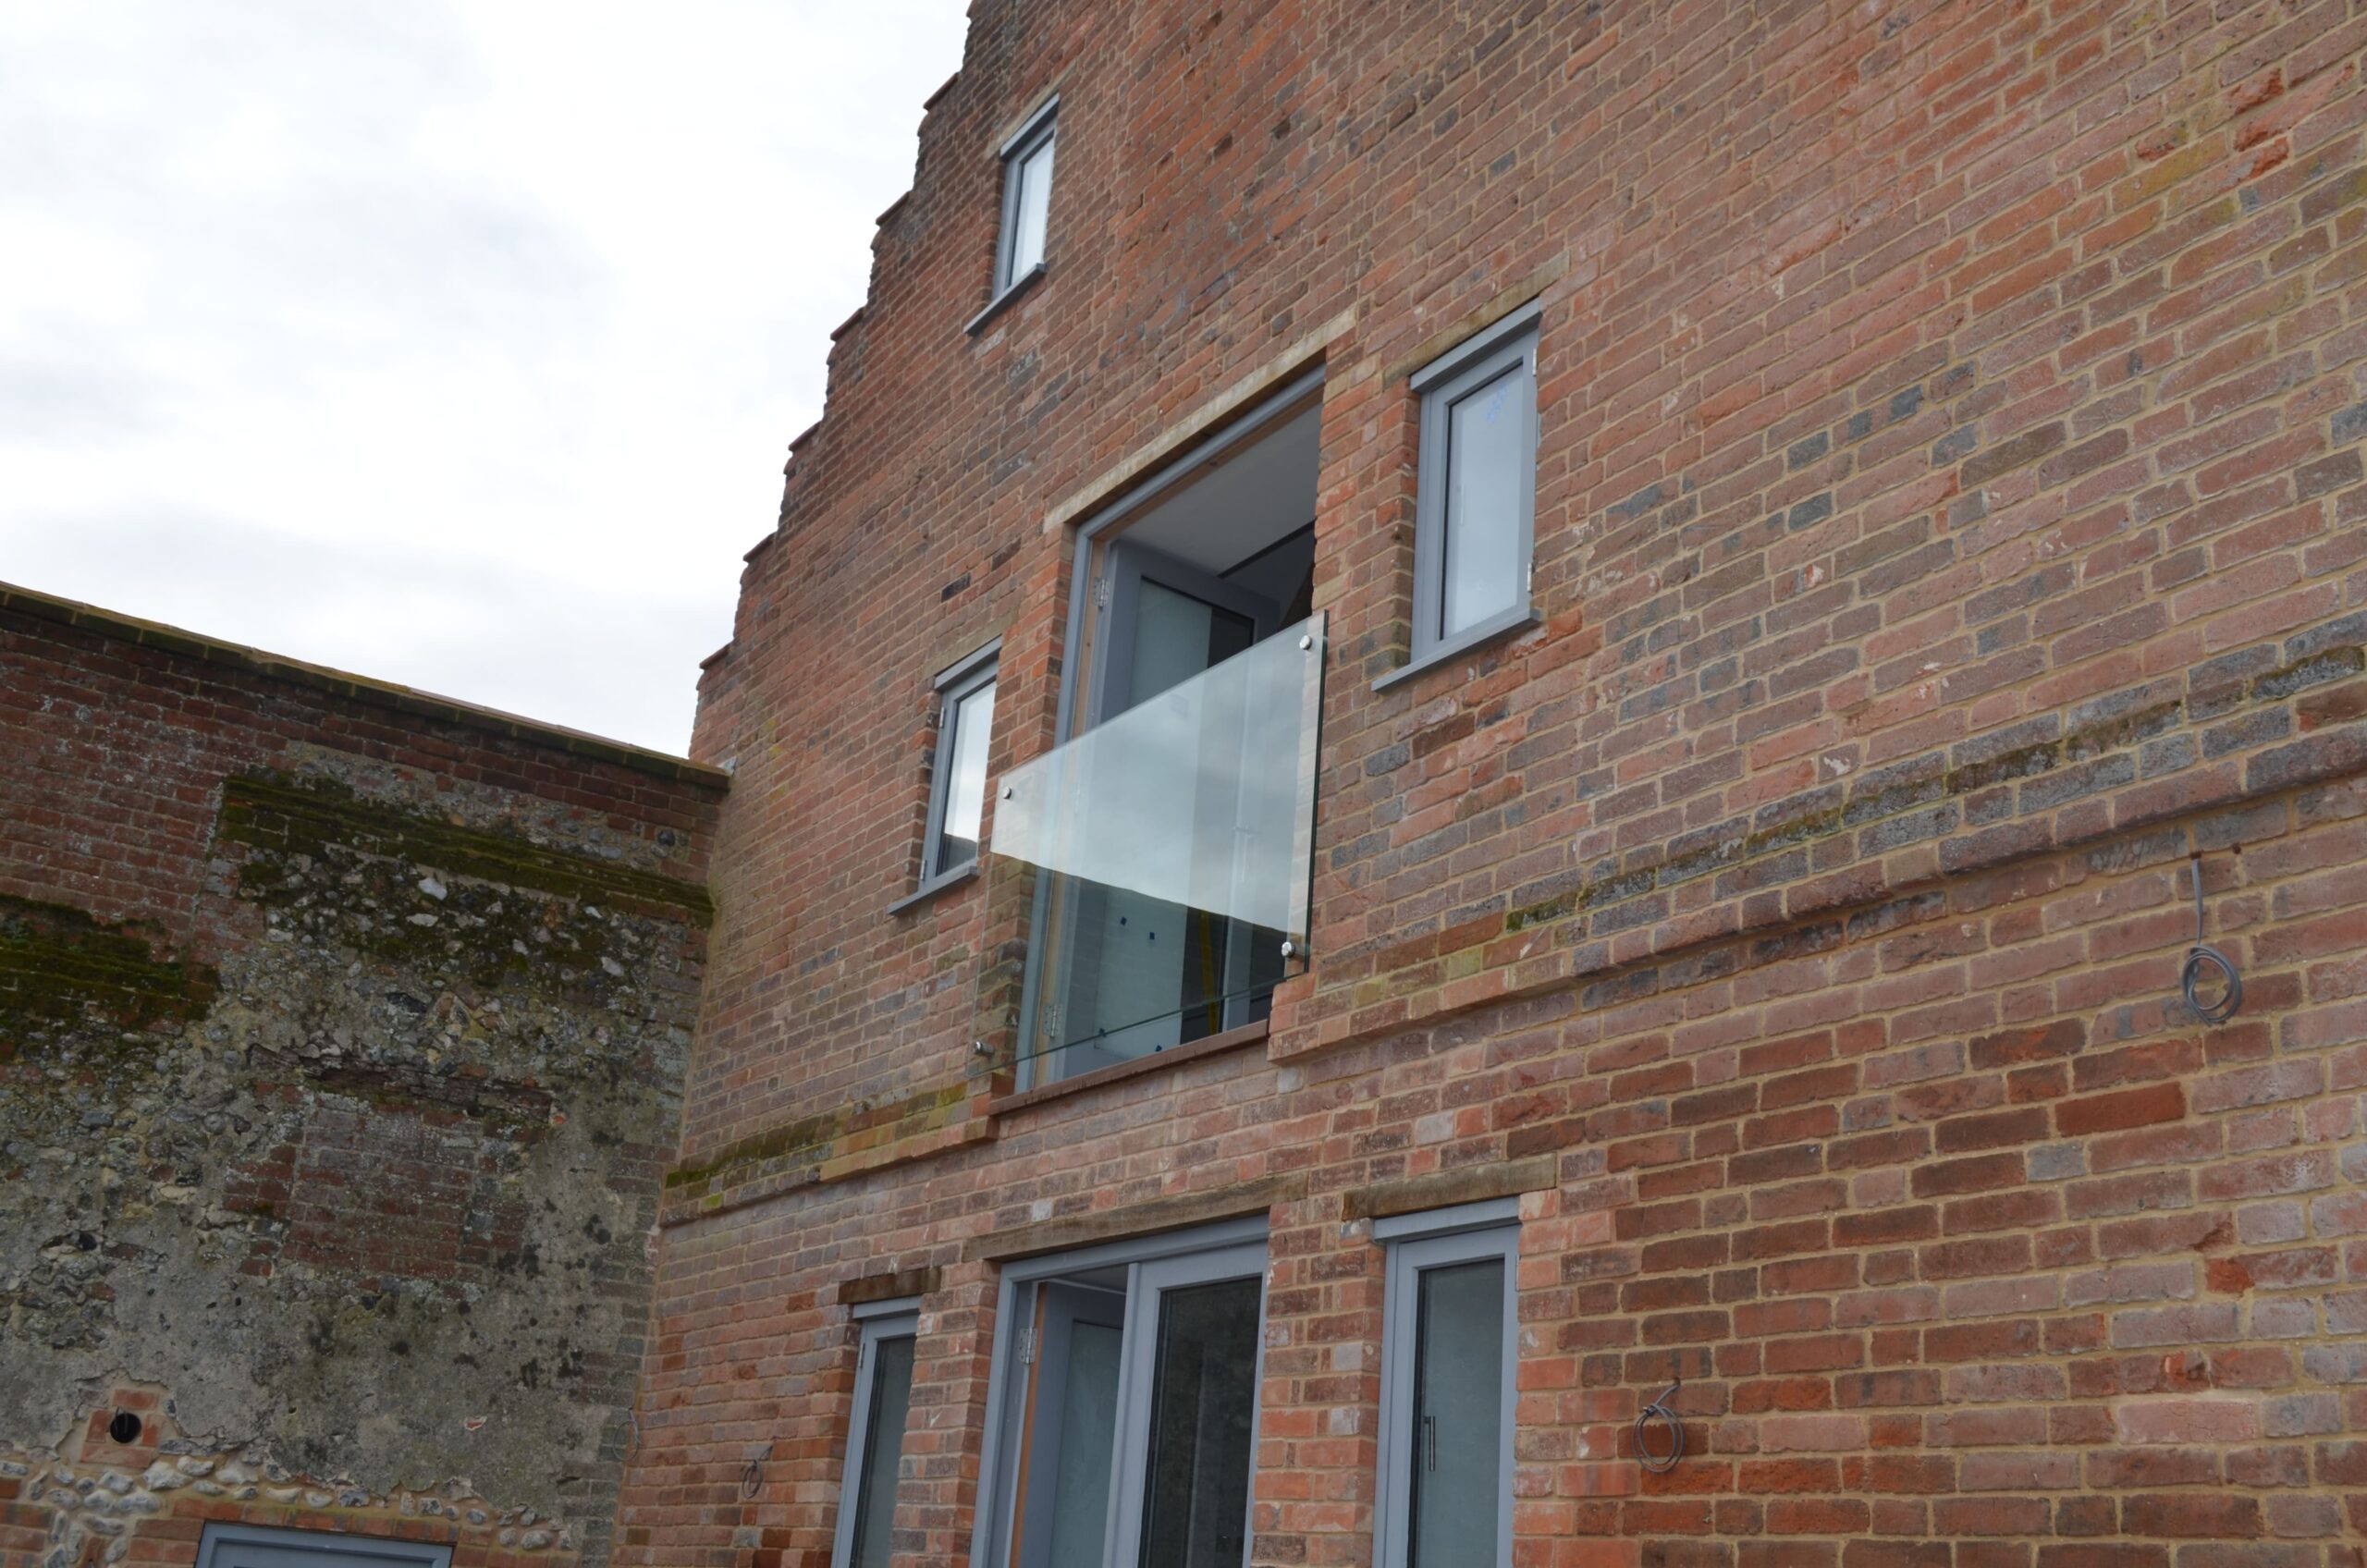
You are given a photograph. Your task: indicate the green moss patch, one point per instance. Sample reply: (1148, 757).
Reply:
(806, 1141)
(286, 815)
(61, 967)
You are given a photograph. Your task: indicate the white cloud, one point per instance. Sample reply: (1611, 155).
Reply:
(455, 343)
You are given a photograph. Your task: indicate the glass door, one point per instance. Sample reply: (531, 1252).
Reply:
(1062, 1518)
(1447, 1381)
(1143, 974)
(1191, 1389)
(1124, 1404)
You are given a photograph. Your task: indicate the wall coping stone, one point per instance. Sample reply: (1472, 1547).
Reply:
(359, 688)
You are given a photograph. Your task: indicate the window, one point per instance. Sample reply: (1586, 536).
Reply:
(883, 1399)
(1446, 1386)
(1122, 1419)
(965, 723)
(1026, 200)
(228, 1545)
(1475, 504)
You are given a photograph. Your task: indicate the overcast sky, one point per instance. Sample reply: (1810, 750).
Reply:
(454, 342)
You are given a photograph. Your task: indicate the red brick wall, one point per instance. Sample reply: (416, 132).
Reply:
(1950, 507)
(111, 781)
(2070, 1282)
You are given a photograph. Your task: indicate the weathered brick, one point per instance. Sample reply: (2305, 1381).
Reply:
(1919, 576)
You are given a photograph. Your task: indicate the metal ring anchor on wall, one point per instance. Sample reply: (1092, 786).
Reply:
(1661, 1457)
(2195, 975)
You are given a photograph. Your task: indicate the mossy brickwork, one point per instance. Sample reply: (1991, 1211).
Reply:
(60, 969)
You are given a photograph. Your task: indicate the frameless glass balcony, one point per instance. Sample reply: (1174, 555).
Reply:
(1163, 857)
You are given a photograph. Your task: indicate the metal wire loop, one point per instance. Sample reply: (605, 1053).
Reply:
(2190, 983)
(1659, 1463)
(2202, 957)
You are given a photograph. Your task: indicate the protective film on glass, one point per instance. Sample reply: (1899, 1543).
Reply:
(1173, 846)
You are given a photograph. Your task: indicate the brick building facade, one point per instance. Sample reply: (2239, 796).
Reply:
(1905, 508)
(342, 1037)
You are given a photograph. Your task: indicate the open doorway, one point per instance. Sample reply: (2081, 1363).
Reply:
(1214, 556)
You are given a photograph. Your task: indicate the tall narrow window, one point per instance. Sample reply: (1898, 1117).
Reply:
(965, 725)
(1447, 1391)
(1477, 499)
(1027, 199)
(883, 1398)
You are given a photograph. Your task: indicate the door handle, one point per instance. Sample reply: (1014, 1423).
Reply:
(1431, 1443)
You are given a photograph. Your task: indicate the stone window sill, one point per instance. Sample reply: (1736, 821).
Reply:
(1512, 623)
(995, 306)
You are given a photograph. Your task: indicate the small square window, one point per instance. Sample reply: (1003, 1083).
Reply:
(883, 1402)
(958, 791)
(1026, 200)
(1475, 511)
(1446, 1400)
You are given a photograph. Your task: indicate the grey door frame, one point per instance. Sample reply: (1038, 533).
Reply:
(997, 1461)
(1442, 1237)
(883, 1320)
(1146, 1283)
(1128, 567)
(1289, 397)
(1074, 1305)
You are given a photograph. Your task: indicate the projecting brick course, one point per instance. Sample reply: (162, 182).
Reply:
(1949, 520)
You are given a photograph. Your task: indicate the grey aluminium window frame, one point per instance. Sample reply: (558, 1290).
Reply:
(1466, 1233)
(1507, 346)
(228, 1544)
(955, 682)
(1226, 1250)
(1039, 131)
(881, 1320)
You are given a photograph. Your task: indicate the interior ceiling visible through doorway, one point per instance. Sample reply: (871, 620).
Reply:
(1254, 495)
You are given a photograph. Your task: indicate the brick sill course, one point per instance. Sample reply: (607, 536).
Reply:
(1215, 1045)
(1935, 809)
(915, 1131)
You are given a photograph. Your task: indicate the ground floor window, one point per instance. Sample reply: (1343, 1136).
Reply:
(225, 1544)
(1446, 1394)
(883, 1400)
(1123, 1413)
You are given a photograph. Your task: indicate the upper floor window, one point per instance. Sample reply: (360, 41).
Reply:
(1446, 1386)
(1026, 199)
(1476, 504)
(958, 792)
(883, 1400)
